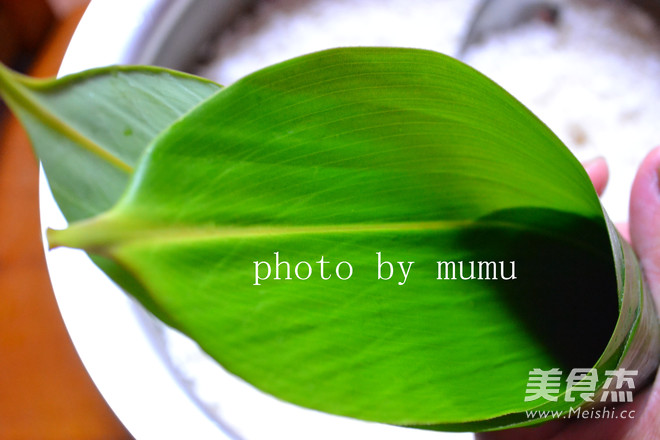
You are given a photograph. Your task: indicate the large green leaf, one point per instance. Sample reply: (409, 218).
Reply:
(89, 129)
(353, 155)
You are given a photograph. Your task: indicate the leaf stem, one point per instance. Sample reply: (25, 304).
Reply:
(101, 234)
(18, 97)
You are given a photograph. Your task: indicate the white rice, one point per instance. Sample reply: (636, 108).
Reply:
(282, 29)
(594, 78)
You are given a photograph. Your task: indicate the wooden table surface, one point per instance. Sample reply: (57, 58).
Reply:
(45, 392)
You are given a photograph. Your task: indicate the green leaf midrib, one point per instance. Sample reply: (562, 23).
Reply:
(20, 97)
(104, 233)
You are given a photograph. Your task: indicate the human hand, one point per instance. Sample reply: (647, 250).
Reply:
(643, 232)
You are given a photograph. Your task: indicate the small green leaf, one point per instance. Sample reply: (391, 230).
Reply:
(89, 129)
(337, 162)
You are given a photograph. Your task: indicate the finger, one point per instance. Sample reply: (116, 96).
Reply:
(645, 220)
(598, 173)
(645, 237)
(624, 230)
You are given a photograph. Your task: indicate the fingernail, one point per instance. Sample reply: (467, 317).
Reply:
(594, 161)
